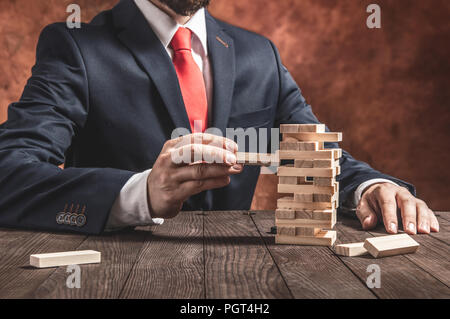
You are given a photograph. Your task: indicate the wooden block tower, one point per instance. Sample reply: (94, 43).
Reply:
(307, 216)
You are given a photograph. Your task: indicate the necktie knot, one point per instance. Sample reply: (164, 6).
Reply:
(181, 40)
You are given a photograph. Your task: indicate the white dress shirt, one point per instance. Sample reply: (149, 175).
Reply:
(131, 206)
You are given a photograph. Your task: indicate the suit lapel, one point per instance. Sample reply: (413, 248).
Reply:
(136, 34)
(222, 57)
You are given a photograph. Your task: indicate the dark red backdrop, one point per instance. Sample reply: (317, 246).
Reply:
(386, 89)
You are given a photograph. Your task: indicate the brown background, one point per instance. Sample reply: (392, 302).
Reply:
(386, 89)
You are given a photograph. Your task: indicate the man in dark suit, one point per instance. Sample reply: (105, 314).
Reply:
(105, 98)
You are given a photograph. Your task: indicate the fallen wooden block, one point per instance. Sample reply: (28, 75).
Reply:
(65, 258)
(390, 245)
(351, 250)
(323, 238)
(257, 159)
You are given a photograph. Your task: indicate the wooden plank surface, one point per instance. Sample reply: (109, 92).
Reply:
(310, 272)
(17, 278)
(400, 277)
(237, 264)
(171, 263)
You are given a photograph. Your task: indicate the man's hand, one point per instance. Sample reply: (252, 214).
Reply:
(380, 202)
(180, 171)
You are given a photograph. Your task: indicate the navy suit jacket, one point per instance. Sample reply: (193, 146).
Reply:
(103, 99)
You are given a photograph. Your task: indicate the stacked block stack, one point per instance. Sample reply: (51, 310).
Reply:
(308, 214)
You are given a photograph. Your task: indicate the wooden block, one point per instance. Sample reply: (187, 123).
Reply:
(328, 163)
(317, 137)
(326, 214)
(304, 163)
(257, 159)
(289, 146)
(337, 152)
(351, 250)
(307, 146)
(291, 188)
(314, 172)
(287, 180)
(324, 238)
(295, 128)
(286, 230)
(338, 170)
(321, 145)
(304, 214)
(390, 245)
(319, 198)
(324, 181)
(298, 231)
(285, 214)
(311, 155)
(65, 258)
(323, 224)
(304, 198)
(289, 128)
(290, 203)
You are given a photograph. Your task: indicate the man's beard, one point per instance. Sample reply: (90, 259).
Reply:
(185, 7)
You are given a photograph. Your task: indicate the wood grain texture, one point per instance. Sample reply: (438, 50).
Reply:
(171, 263)
(400, 278)
(105, 280)
(237, 264)
(17, 278)
(310, 272)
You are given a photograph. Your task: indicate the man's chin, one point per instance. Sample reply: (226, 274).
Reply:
(185, 7)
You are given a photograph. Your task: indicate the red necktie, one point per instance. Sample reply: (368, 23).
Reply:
(190, 79)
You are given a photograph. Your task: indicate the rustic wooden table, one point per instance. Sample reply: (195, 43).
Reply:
(221, 255)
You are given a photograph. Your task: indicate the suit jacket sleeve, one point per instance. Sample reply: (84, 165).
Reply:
(292, 108)
(40, 127)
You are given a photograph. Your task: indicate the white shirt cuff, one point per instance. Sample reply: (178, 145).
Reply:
(131, 207)
(363, 186)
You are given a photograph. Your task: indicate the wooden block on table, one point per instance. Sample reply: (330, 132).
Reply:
(298, 231)
(351, 250)
(65, 258)
(318, 137)
(304, 163)
(296, 128)
(311, 155)
(314, 172)
(390, 245)
(304, 198)
(323, 238)
(257, 159)
(292, 188)
(287, 180)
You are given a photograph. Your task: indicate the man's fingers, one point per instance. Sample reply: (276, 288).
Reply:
(434, 225)
(366, 214)
(407, 204)
(193, 153)
(190, 188)
(423, 218)
(204, 171)
(205, 139)
(386, 202)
